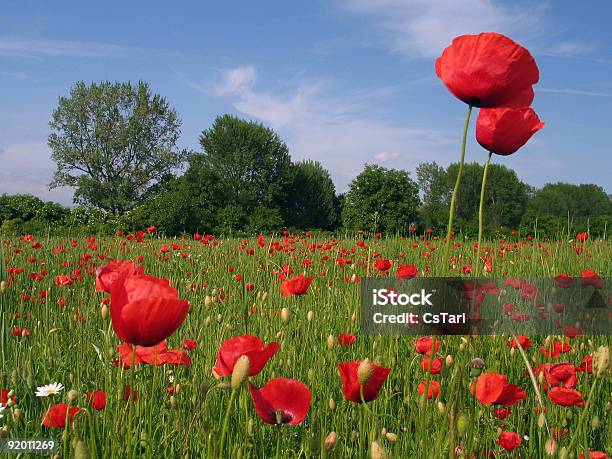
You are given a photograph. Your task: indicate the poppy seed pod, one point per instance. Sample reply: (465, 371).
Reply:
(364, 372)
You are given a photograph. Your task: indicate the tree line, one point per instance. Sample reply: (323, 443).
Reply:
(116, 145)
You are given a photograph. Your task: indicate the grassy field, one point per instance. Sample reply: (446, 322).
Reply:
(63, 334)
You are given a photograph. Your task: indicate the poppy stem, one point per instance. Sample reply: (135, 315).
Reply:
(451, 214)
(481, 207)
(230, 403)
(578, 430)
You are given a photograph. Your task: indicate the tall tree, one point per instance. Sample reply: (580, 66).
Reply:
(255, 173)
(381, 199)
(312, 203)
(112, 142)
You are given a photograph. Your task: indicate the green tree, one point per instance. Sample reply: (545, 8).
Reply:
(112, 142)
(312, 202)
(381, 199)
(252, 169)
(436, 190)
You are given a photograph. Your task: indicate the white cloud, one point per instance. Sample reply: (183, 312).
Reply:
(63, 48)
(341, 129)
(425, 27)
(577, 92)
(385, 156)
(28, 168)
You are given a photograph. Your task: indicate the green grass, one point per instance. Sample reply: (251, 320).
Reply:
(79, 354)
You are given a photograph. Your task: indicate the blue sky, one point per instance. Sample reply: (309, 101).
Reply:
(343, 82)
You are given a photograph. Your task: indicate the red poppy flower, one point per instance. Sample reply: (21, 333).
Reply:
(433, 389)
(509, 440)
(558, 348)
(189, 344)
(406, 271)
(346, 339)
(565, 397)
(57, 414)
(590, 278)
(564, 280)
(107, 274)
(281, 401)
(436, 365)
(153, 355)
(249, 345)
(97, 399)
(563, 374)
(350, 382)
(4, 396)
(582, 237)
(296, 285)
(523, 340)
(63, 281)
(586, 365)
(493, 388)
(145, 310)
(504, 130)
(502, 413)
(382, 265)
(594, 455)
(423, 345)
(488, 70)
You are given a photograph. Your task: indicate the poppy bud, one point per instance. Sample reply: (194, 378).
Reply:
(285, 315)
(391, 436)
(207, 321)
(551, 446)
(449, 360)
(364, 372)
(4, 432)
(331, 342)
(80, 450)
(354, 317)
(377, 451)
(72, 395)
(2, 286)
(462, 424)
(104, 312)
(240, 371)
(541, 420)
(207, 300)
(383, 432)
(563, 453)
(595, 422)
(264, 297)
(331, 404)
(441, 407)
(330, 441)
(477, 362)
(462, 347)
(17, 414)
(601, 361)
(250, 428)
(309, 316)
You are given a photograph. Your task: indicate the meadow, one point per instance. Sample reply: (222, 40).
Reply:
(57, 329)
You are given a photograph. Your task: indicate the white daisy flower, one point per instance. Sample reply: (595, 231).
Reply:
(49, 389)
(2, 408)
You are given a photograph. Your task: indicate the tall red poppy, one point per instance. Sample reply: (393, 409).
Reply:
(145, 310)
(406, 271)
(523, 340)
(382, 265)
(494, 389)
(433, 388)
(97, 399)
(488, 70)
(107, 274)
(504, 130)
(153, 355)
(57, 414)
(424, 345)
(509, 440)
(296, 285)
(249, 345)
(565, 397)
(562, 374)
(350, 381)
(281, 401)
